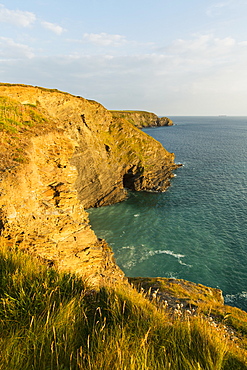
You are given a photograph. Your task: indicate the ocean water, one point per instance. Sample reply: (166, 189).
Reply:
(197, 230)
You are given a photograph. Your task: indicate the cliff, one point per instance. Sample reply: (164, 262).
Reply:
(143, 119)
(61, 154)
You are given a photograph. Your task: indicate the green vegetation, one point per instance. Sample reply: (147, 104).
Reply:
(14, 115)
(204, 300)
(18, 122)
(130, 111)
(50, 320)
(136, 118)
(33, 87)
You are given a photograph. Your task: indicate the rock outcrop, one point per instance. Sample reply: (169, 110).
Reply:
(178, 292)
(61, 154)
(142, 119)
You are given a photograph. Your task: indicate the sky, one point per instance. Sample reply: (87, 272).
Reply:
(170, 57)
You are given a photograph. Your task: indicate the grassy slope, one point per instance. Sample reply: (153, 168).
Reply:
(17, 123)
(136, 118)
(53, 321)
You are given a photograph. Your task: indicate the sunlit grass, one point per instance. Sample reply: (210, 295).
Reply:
(50, 320)
(18, 122)
(14, 114)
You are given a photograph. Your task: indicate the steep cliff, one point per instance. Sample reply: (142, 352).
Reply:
(143, 119)
(61, 154)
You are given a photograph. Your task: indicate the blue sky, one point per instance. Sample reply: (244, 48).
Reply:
(171, 57)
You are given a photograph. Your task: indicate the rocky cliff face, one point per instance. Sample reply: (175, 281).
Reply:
(143, 119)
(61, 154)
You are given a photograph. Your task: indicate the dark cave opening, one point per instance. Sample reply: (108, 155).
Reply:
(129, 181)
(132, 177)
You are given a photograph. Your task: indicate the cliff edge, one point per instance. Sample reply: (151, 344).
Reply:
(142, 119)
(61, 154)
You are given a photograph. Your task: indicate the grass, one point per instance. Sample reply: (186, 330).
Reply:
(18, 122)
(136, 118)
(14, 115)
(30, 86)
(50, 320)
(117, 112)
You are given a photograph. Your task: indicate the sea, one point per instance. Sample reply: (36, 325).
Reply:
(197, 229)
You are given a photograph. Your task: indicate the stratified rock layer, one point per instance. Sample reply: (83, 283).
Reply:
(74, 155)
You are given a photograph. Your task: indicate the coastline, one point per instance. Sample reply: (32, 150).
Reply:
(63, 295)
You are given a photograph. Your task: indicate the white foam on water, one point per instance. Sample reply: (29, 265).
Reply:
(171, 253)
(230, 298)
(172, 275)
(133, 257)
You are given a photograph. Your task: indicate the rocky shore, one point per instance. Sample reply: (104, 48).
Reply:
(60, 155)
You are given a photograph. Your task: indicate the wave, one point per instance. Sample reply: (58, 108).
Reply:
(171, 253)
(133, 256)
(232, 298)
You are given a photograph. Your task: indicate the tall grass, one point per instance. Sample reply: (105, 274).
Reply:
(50, 320)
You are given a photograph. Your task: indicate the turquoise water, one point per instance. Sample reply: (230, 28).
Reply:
(197, 230)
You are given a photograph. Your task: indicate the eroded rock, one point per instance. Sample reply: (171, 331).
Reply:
(74, 155)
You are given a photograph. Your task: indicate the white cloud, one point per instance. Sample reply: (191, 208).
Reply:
(53, 27)
(218, 8)
(243, 43)
(203, 74)
(207, 44)
(25, 19)
(159, 83)
(104, 39)
(16, 17)
(13, 50)
(202, 50)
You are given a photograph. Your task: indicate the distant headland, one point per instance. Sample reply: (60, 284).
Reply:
(142, 119)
